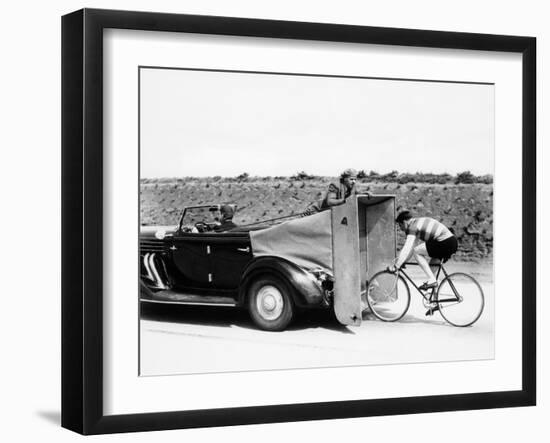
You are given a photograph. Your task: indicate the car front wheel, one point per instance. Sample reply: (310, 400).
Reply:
(270, 304)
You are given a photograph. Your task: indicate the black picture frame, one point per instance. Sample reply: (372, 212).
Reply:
(82, 219)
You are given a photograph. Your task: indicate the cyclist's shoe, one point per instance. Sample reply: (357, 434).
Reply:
(431, 311)
(427, 303)
(425, 286)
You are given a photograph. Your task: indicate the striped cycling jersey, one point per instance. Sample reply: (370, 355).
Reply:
(426, 228)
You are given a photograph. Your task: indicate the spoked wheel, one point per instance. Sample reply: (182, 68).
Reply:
(460, 299)
(270, 303)
(388, 296)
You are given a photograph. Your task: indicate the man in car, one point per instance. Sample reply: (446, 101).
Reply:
(227, 212)
(426, 237)
(337, 193)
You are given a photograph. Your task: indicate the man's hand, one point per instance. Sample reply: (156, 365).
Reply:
(392, 268)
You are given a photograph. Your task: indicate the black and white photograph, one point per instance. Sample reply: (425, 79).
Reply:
(275, 221)
(290, 220)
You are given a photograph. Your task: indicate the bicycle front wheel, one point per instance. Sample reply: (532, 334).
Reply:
(388, 296)
(460, 299)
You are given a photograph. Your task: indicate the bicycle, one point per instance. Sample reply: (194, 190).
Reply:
(458, 297)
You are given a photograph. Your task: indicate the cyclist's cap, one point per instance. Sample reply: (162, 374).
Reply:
(402, 216)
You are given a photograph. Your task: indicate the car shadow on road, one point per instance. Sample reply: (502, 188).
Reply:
(219, 316)
(195, 315)
(318, 319)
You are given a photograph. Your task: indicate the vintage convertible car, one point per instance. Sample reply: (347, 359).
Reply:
(319, 261)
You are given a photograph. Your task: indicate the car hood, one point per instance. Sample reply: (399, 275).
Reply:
(157, 232)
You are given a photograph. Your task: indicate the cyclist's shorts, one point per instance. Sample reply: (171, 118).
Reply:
(442, 249)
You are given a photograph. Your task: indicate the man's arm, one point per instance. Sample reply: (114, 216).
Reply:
(332, 200)
(405, 251)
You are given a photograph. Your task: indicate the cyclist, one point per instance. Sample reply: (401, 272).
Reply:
(426, 237)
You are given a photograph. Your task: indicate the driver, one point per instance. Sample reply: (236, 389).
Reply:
(227, 212)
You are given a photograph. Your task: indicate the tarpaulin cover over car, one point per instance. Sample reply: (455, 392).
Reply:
(305, 241)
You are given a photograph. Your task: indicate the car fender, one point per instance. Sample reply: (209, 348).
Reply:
(307, 292)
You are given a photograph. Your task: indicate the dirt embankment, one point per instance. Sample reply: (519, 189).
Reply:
(465, 208)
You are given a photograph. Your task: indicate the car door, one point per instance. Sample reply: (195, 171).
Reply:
(191, 260)
(230, 253)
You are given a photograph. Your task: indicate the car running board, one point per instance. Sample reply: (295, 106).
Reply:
(179, 298)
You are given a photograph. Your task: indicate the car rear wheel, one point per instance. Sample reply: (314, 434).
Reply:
(270, 304)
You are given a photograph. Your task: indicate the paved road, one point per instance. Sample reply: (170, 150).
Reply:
(182, 339)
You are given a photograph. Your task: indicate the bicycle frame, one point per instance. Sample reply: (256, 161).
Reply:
(440, 268)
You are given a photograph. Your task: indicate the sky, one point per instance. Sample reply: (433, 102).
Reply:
(201, 123)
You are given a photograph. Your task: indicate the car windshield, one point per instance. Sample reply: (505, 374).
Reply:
(202, 214)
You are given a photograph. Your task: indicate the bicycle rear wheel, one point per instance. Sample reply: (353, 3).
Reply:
(388, 296)
(460, 299)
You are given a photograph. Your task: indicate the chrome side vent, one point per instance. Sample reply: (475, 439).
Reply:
(151, 245)
(153, 273)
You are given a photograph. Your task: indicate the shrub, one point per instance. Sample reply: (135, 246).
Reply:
(442, 178)
(390, 177)
(243, 177)
(302, 175)
(486, 179)
(406, 178)
(374, 175)
(465, 177)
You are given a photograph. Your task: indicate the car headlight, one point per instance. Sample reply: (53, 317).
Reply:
(321, 275)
